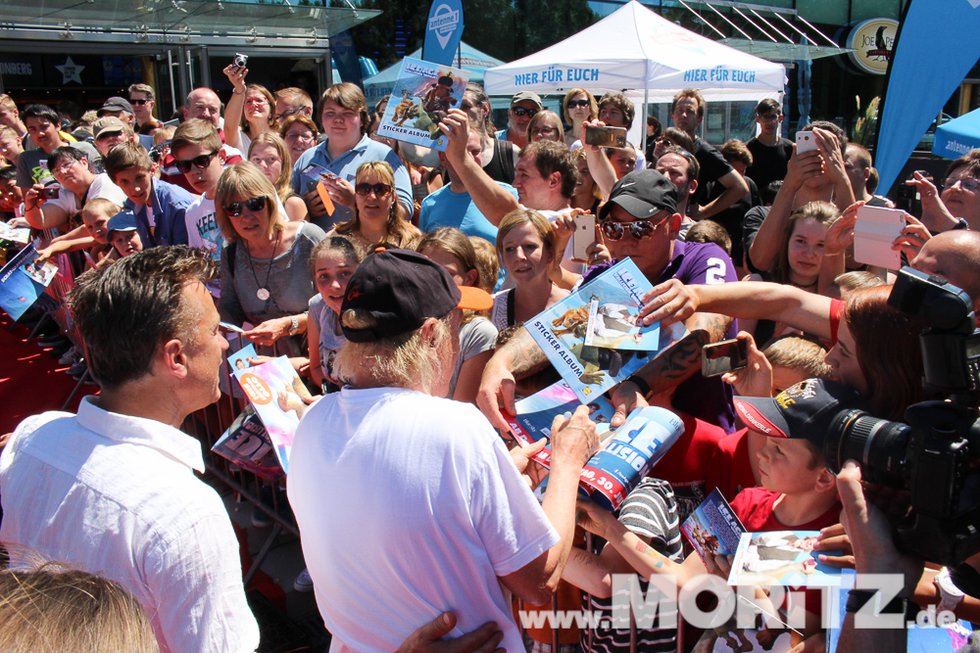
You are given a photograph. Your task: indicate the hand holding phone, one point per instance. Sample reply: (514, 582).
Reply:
(806, 141)
(605, 136)
(725, 356)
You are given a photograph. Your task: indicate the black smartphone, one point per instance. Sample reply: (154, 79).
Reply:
(725, 356)
(51, 192)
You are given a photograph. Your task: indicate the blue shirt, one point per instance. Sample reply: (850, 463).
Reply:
(444, 208)
(169, 203)
(345, 166)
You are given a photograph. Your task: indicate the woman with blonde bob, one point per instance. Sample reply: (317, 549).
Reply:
(526, 247)
(52, 609)
(378, 216)
(269, 152)
(577, 106)
(265, 263)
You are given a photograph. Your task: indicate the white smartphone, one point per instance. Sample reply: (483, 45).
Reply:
(584, 236)
(806, 141)
(875, 230)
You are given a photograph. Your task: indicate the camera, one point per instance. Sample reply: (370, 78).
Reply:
(935, 454)
(240, 60)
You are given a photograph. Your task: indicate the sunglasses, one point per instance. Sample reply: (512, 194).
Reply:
(254, 205)
(521, 111)
(200, 162)
(639, 229)
(138, 102)
(577, 104)
(966, 183)
(364, 189)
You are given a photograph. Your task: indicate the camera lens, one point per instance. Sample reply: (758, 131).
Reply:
(878, 445)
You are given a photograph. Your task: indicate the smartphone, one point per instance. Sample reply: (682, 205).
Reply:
(725, 356)
(605, 136)
(584, 236)
(875, 230)
(50, 192)
(806, 141)
(228, 326)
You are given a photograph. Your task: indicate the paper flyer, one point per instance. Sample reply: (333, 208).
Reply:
(246, 444)
(22, 281)
(422, 96)
(713, 527)
(781, 558)
(562, 330)
(274, 389)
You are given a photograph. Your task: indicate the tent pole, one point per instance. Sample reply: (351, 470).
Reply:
(643, 126)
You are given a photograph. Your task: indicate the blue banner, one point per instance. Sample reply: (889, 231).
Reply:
(957, 137)
(936, 46)
(443, 31)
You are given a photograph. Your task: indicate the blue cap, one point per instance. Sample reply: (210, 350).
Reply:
(122, 221)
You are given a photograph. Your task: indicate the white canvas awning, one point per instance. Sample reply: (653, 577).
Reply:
(636, 51)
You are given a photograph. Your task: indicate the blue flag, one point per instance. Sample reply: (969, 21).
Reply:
(936, 46)
(443, 31)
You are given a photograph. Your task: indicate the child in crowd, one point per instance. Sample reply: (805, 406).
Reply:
(798, 491)
(709, 231)
(159, 207)
(487, 263)
(11, 197)
(845, 284)
(333, 260)
(92, 237)
(452, 249)
(123, 234)
(198, 155)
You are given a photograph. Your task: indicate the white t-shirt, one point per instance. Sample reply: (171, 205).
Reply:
(202, 227)
(102, 187)
(409, 505)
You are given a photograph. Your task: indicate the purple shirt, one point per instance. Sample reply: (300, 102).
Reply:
(698, 263)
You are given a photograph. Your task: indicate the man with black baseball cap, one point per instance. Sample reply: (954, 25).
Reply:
(408, 503)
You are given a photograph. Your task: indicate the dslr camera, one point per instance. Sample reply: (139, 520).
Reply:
(935, 454)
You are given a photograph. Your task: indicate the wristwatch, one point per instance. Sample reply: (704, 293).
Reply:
(293, 325)
(950, 596)
(961, 224)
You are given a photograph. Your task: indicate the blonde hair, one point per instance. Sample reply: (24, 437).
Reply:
(245, 180)
(709, 231)
(399, 232)
(801, 354)
(518, 217)
(196, 131)
(283, 183)
(102, 206)
(264, 92)
(486, 262)
(53, 608)
(402, 361)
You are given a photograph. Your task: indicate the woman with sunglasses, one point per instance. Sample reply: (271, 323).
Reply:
(378, 216)
(249, 112)
(265, 265)
(672, 137)
(578, 106)
(526, 247)
(269, 152)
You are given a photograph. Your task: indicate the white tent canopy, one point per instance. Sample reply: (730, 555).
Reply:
(470, 59)
(634, 50)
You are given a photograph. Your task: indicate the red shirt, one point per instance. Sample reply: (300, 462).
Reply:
(685, 465)
(754, 506)
(729, 468)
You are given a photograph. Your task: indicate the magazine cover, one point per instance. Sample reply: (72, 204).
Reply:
(422, 96)
(246, 444)
(275, 389)
(781, 558)
(22, 281)
(561, 331)
(239, 360)
(19, 235)
(713, 527)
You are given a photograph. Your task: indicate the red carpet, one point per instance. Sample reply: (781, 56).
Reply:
(31, 381)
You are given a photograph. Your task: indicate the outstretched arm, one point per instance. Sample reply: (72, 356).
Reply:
(518, 357)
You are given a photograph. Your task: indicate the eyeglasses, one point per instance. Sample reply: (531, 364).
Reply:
(663, 140)
(966, 183)
(254, 205)
(577, 104)
(364, 189)
(300, 136)
(544, 131)
(200, 162)
(138, 103)
(288, 112)
(639, 229)
(523, 111)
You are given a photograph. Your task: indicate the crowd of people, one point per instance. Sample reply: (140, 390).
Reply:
(399, 292)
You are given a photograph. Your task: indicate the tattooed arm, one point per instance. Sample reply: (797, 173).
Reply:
(518, 357)
(677, 363)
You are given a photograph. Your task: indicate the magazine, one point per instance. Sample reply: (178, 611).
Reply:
(563, 332)
(246, 444)
(19, 235)
(781, 558)
(713, 527)
(423, 94)
(23, 280)
(275, 391)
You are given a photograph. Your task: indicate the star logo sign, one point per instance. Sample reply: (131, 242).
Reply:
(70, 71)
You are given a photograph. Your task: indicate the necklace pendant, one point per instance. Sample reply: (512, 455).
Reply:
(263, 294)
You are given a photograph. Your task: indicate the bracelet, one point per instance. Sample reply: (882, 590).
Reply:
(235, 91)
(642, 385)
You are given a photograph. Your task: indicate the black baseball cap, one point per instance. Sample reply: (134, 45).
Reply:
(400, 289)
(800, 412)
(643, 193)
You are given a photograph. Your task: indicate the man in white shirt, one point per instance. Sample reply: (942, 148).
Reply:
(112, 490)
